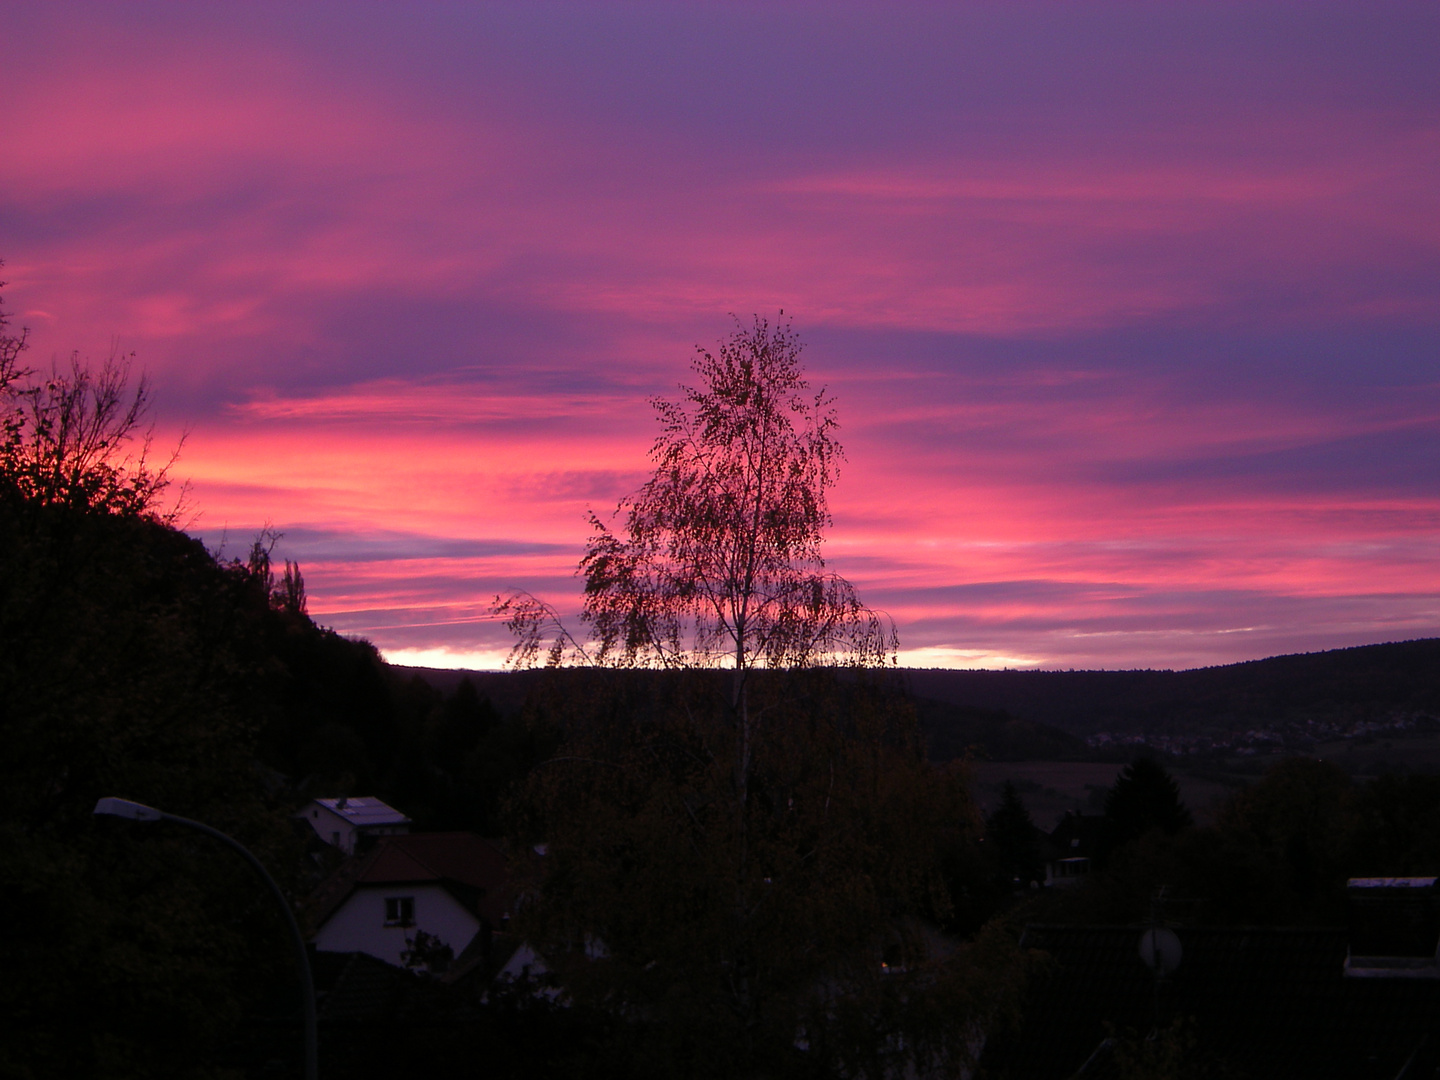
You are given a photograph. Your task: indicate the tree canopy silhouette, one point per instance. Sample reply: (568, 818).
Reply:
(1014, 840)
(718, 557)
(796, 932)
(1144, 797)
(75, 438)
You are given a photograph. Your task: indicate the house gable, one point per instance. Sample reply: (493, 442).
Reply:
(365, 921)
(449, 885)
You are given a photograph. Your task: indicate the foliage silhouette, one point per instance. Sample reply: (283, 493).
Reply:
(76, 438)
(1013, 840)
(719, 560)
(725, 930)
(1143, 797)
(130, 664)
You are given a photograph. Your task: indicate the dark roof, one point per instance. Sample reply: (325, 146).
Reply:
(482, 959)
(469, 866)
(1271, 1002)
(1394, 917)
(367, 998)
(355, 988)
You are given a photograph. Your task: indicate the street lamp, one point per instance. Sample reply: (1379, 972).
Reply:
(133, 811)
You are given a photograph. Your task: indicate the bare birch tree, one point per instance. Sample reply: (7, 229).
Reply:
(748, 858)
(718, 559)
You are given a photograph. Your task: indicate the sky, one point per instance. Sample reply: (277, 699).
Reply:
(1131, 311)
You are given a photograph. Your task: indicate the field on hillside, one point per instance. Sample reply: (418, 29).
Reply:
(1050, 788)
(1371, 757)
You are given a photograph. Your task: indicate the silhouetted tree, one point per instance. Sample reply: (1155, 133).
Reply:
(75, 439)
(1299, 818)
(11, 346)
(289, 593)
(719, 561)
(1144, 797)
(1013, 839)
(134, 662)
(130, 664)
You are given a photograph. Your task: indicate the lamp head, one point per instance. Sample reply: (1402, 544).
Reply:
(124, 808)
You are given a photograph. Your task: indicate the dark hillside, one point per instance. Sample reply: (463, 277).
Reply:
(1371, 682)
(131, 664)
(951, 731)
(135, 663)
(507, 690)
(1008, 715)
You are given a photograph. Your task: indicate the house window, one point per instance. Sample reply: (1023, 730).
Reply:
(399, 911)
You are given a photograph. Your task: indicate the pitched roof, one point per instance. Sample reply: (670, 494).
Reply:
(364, 811)
(472, 868)
(1274, 1002)
(371, 999)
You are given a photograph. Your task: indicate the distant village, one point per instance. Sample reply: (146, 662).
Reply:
(1291, 736)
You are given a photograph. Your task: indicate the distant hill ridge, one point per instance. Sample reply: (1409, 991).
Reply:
(1365, 682)
(1010, 714)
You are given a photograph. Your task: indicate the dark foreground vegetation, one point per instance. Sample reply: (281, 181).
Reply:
(133, 662)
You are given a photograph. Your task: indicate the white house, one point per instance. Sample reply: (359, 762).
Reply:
(1071, 849)
(342, 822)
(452, 886)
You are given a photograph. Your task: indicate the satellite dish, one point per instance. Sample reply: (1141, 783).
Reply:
(1160, 949)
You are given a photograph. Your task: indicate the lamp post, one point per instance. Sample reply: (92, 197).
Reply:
(133, 811)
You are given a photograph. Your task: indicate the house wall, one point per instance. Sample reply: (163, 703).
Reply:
(341, 832)
(331, 827)
(358, 925)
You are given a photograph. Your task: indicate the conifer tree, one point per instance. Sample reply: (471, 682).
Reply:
(1144, 797)
(1013, 839)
